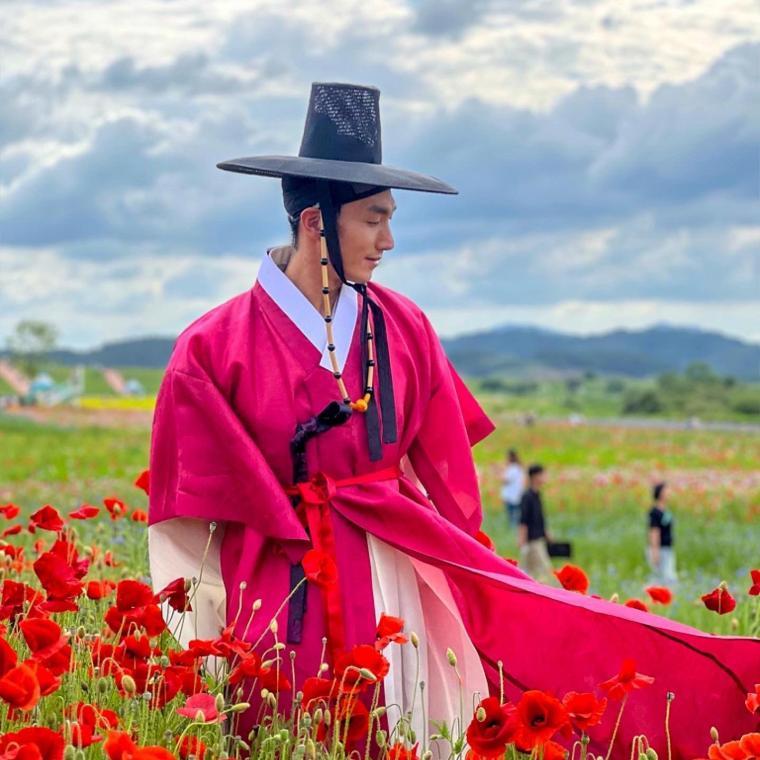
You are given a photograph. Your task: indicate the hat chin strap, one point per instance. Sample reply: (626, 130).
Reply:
(375, 438)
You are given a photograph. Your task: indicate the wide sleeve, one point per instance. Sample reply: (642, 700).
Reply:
(441, 455)
(205, 465)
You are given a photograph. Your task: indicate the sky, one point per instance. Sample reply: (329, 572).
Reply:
(606, 154)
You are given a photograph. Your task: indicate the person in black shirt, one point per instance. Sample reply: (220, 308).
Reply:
(532, 535)
(661, 555)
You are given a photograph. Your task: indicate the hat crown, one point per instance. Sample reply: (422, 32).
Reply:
(343, 123)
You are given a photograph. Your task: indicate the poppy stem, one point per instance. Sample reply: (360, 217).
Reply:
(617, 725)
(670, 696)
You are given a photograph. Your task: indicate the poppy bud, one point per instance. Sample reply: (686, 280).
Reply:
(714, 734)
(380, 738)
(273, 627)
(317, 716)
(480, 714)
(327, 717)
(211, 527)
(305, 721)
(102, 685)
(451, 657)
(257, 605)
(311, 749)
(129, 685)
(651, 754)
(284, 735)
(243, 585)
(670, 696)
(272, 700)
(240, 707)
(367, 674)
(323, 667)
(200, 716)
(615, 597)
(69, 752)
(219, 702)
(427, 755)
(379, 712)
(415, 639)
(279, 646)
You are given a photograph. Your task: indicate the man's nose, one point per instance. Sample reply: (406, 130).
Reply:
(386, 241)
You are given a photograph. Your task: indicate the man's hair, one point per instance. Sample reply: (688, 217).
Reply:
(535, 469)
(512, 455)
(657, 491)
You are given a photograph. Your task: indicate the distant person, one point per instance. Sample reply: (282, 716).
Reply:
(513, 480)
(532, 536)
(660, 552)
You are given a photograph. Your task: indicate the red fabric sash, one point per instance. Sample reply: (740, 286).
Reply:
(314, 510)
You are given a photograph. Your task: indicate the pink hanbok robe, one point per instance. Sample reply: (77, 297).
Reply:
(239, 381)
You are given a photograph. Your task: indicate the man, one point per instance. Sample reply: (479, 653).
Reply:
(661, 555)
(318, 410)
(513, 485)
(531, 533)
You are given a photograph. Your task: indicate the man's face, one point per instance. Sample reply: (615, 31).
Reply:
(364, 231)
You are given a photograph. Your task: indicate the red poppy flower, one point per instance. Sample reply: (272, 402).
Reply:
(99, 589)
(203, 704)
(389, 629)
(719, 600)
(539, 716)
(399, 751)
(33, 743)
(230, 646)
(143, 481)
(131, 595)
(755, 587)
(109, 561)
(361, 657)
(584, 710)
(119, 746)
(354, 719)
(12, 530)
(489, 737)
(175, 593)
(753, 701)
(139, 515)
(660, 594)
(511, 560)
(15, 596)
(116, 507)
(320, 568)
(553, 751)
(317, 692)
(49, 681)
(20, 688)
(192, 745)
(746, 748)
(58, 578)
(8, 657)
(43, 637)
(9, 511)
(46, 518)
(483, 538)
(626, 680)
(636, 604)
(85, 512)
(572, 578)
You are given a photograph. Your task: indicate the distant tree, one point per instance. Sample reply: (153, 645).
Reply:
(493, 384)
(699, 372)
(642, 402)
(30, 342)
(572, 384)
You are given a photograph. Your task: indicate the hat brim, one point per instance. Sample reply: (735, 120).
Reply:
(338, 171)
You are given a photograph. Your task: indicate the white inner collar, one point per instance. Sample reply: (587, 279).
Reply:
(281, 289)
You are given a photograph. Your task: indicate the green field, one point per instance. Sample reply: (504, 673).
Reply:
(597, 494)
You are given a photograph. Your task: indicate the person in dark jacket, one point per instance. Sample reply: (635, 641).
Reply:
(532, 535)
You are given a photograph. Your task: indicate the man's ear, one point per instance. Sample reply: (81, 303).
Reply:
(310, 223)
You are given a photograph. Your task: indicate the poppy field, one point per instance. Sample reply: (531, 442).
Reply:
(89, 668)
